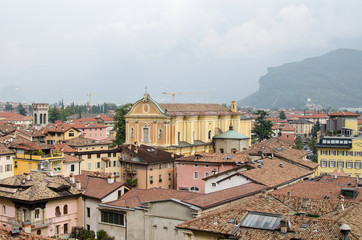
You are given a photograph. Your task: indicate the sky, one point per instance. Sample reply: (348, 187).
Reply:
(204, 50)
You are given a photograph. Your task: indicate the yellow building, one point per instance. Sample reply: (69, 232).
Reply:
(58, 133)
(36, 156)
(181, 128)
(339, 155)
(345, 123)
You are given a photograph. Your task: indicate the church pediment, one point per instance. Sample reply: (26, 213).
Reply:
(146, 107)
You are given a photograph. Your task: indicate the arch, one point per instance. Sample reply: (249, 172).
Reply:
(65, 209)
(40, 118)
(35, 118)
(44, 118)
(37, 213)
(57, 211)
(209, 135)
(233, 150)
(132, 132)
(194, 189)
(145, 133)
(4, 210)
(159, 134)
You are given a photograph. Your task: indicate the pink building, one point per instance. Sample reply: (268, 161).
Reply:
(46, 205)
(92, 130)
(192, 169)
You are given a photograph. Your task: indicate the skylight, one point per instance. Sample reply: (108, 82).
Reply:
(261, 220)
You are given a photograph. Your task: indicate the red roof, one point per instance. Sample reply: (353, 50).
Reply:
(344, 114)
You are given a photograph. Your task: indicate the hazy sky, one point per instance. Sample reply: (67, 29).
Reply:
(218, 49)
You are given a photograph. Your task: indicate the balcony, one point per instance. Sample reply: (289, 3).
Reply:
(45, 223)
(39, 157)
(131, 171)
(335, 142)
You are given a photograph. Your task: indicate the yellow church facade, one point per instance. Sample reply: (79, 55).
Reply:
(181, 128)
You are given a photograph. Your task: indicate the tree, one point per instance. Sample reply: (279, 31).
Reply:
(8, 107)
(262, 127)
(298, 144)
(54, 114)
(282, 115)
(21, 109)
(120, 123)
(316, 128)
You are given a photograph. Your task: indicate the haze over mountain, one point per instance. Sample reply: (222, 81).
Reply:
(330, 80)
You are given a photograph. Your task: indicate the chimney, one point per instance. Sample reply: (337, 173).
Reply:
(173, 155)
(26, 226)
(345, 229)
(234, 107)
(136, 149)
(263, 193)
(27, 176)
(283, 226)
(110, 179)
(281, 164)
(289, 194)
(72, 178)
(78, 185)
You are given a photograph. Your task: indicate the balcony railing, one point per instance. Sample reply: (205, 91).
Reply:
(39, 157)
(130, 170)
(45, 223)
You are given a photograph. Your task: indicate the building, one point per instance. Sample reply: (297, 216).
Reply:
(92, 130)
(230, 142)
(44, 204)
(343, 123)
(181, 128)
(148, 167)
(97, 190)
(340, 155)
(35, 156)
(6, 161)
(14, 118)
(302, 127)
(40, 114)
(59, 132)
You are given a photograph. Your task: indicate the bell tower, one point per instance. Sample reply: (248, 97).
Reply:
(40, 114)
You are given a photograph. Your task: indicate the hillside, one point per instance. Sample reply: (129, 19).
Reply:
(330, 80)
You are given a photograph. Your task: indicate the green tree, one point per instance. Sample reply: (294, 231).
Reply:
(282, 115)
(54, 114)
(120, 123)
(262, 127)
(316, 128)
(298, 144)
(8, 107)
(21, 109)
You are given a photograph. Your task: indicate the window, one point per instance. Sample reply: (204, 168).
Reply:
(196, 175)
(72, 168)
(146, 134)
(332, 163)
(160, 166)
(160, 134)
(221, 150)
(88, 212)
(209, 135)
(124, 176)
(71, 133)
(57, 227)
(233, 150)
(57, 211)
(160, 178)
(36, 213)
(324, 152)
(65, 227)
(7, 157)
(65, 209)
(98, 155)
(323, 163)
(178, 136)
(340, 164)
(132, 133)
(114, 163)
(206, 165)
(169, 176)
(349, 153)
(358, 154)
(357, 164)
(207, 174)
(90, 135)
(88, 227)
(98, 164)
(4, 210)
(169, 165)
(8, 167)
(89, 166)
(109, 155)
(340, 153)
(196, 165)
(332, 152)
(151, 179)
(89, 156)
(112, 217)
(349, 164)
(194, 189)
(213, 184)
(114, 154)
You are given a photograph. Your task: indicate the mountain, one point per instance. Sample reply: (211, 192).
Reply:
(330, 80)
(11, 94)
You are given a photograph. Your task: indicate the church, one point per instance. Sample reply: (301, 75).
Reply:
(182, 128)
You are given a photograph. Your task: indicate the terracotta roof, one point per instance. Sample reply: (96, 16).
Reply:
(97, 174)
(270, 146)
(315, 116)
(7, 128)
(57, 128)
(40, 187)
(82, 141)
(11, 116)
(344, 181)
(287, 128)
(216, 158)
(5, 234)
(97, 187)
(4, 150)
(135, 197)
(272, 174)
(87, 126)
(69, 158)
(64, 147)
(21, 143)
(294, 158)
(343, 114)
(227, 195)
(195, 109)
(149, 154)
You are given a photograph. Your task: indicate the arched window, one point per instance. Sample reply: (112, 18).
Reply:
(35, 118)
(221, 150)
(36, 213)
(194, 189)
(4, 210)
(38, 232)
(160, 134)
(45, 118)
(41, 119)
(233, 150)
(146, 133)
(65, 209)
(209, 135)
(132, 132)
(57, 211)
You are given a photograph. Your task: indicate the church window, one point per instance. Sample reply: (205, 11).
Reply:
(146, 134)
(160, 134)
(209, 135)
(132, 132)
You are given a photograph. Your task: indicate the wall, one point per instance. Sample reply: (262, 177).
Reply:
(6, 160)
(233, 181)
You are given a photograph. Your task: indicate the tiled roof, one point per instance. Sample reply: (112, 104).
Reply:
(149, 154)
(38, 188)
(11, 116)
(97, 174)
(5, 234)
(343, 114)
(82, 141)
(57, 128)
(135, 197)
(97, 187)
(343, 181)
(87, 126)
(293, 158)
(216, 158)
(272, 174)
(181, 109)
(21, 143)
(300, 121)
(64, 147)
(226, 195)
(6, 128)
(270, 146)
(69, 158)
(4, 150)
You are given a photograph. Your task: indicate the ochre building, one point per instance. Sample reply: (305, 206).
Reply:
(181, 128)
